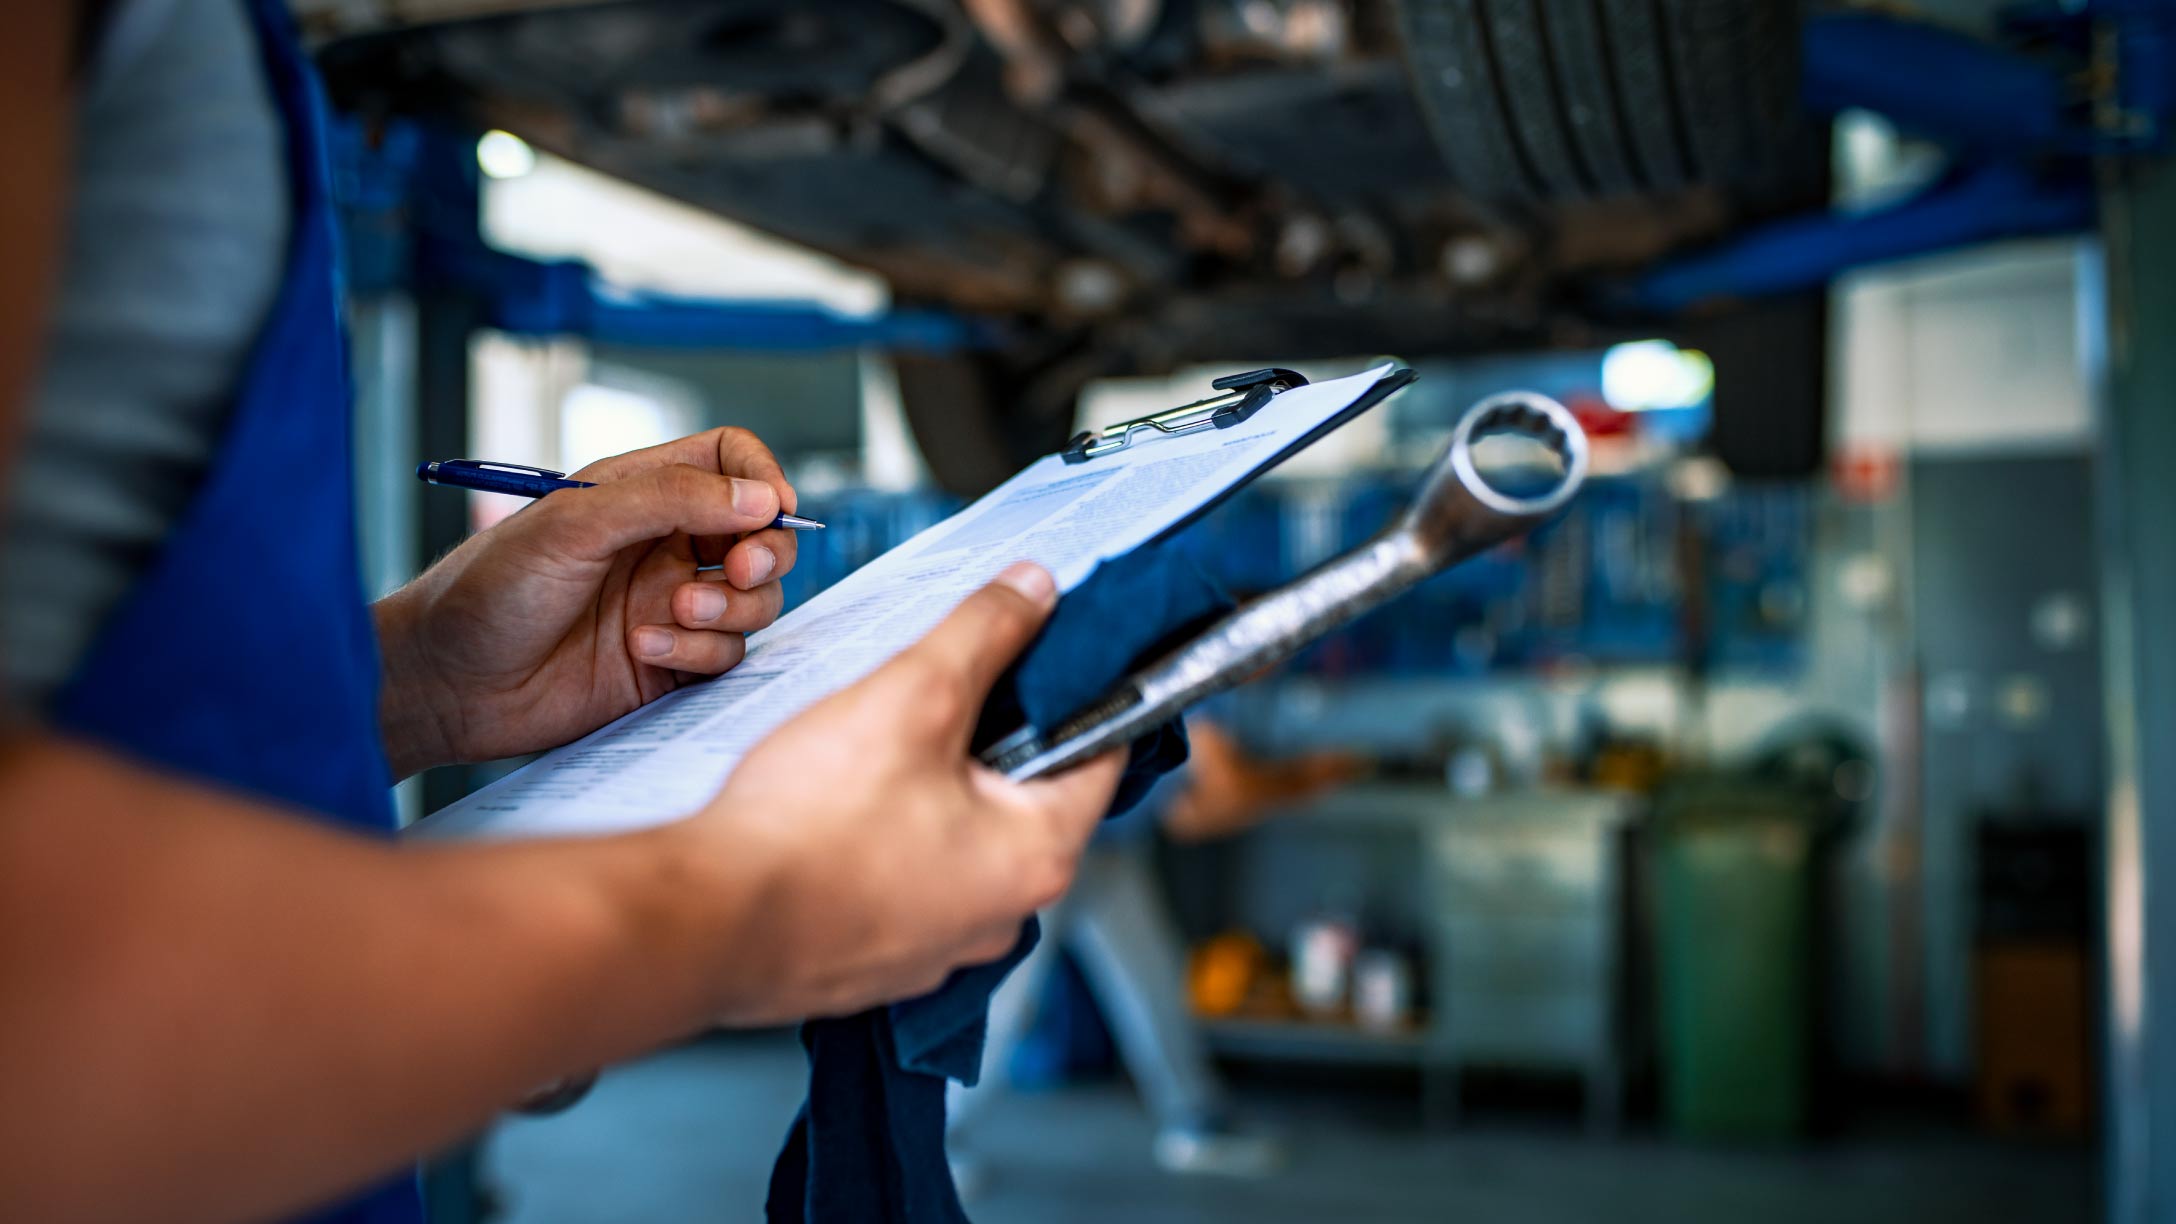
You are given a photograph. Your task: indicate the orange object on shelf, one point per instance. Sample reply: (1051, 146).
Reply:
(1222, 971)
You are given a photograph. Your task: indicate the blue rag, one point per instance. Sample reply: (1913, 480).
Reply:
(868, 1144)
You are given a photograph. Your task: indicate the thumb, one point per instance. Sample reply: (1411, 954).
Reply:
(1049, 822)
(971, 647)
(1072, 802)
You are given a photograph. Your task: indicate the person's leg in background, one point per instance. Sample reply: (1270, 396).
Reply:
(1116, 924)
(1012, 1011)
(1130, 950)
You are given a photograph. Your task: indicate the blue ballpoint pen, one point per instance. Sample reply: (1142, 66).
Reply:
(521, 480)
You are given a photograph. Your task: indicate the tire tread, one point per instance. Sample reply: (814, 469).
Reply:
(1554, 99)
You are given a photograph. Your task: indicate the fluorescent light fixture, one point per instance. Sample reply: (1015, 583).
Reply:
(504, 155)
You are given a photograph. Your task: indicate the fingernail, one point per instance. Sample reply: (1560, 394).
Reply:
(707, 603)
(652, 642)
(761, 561)
(1032, 581)
(753, 497)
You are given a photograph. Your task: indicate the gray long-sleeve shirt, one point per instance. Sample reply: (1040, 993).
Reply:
(178, 219)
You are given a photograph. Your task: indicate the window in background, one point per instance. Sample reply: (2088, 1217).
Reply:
(640, 239)
(834, 419)
(553, 404)
(622, 410)
(516, 387)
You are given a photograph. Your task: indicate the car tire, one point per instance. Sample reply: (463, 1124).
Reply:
(978, 418)
(1542, 100)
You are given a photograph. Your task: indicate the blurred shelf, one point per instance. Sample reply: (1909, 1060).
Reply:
(1391, 807)
(1423, 806)
(1315, 1041)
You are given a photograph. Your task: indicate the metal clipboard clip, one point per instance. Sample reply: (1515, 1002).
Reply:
(1239, 396)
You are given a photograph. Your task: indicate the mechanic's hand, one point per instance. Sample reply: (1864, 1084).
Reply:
(583, 606)
(1228, 791)
(892, 856)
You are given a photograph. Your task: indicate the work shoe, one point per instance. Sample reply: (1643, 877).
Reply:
(1217, 1149)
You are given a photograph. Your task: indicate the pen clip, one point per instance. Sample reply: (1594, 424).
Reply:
(489, 465)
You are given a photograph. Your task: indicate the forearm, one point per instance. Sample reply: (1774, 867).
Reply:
(250, 1013)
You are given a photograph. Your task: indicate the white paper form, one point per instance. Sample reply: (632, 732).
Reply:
(668, 758)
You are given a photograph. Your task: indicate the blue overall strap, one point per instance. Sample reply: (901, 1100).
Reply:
(244, 655)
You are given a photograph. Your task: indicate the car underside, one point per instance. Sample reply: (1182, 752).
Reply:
(1132, 184)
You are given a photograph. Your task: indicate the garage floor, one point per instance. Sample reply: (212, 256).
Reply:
(688, 1137)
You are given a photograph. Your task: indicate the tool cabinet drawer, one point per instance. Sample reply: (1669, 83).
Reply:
(1517, 953)
(1539, 874)
(1523, 1029)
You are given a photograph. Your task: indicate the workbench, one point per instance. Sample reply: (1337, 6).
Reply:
(1516, 898)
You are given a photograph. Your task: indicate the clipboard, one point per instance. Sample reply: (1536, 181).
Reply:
(657, 762)
(1237, 399)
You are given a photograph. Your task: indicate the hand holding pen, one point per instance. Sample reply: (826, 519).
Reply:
(521, 480)
(586, 605)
